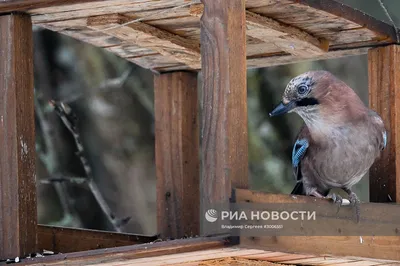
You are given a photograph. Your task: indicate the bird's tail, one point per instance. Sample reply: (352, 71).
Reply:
(298, 189)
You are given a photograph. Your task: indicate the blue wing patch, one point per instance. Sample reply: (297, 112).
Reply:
(299, 149)
(384, 139)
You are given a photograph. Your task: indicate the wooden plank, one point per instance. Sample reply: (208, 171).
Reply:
(284, 257)
(66, 240)
(284, 59)
(384, 97)
(182, 50)
(18, 215)
(317, 261)
(361, 263)
(23, 5)
(132, 252)
(289, 39)
(224, 127)
(104, 7)
(198, 256)
(371, 246)
(177, 150)
(340, 10)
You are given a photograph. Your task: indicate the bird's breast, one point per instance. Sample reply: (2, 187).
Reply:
(342, 158)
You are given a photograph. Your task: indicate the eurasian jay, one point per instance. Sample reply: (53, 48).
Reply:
(340, 140)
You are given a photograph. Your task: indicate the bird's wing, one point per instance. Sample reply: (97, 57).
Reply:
(299, 150)
(378, 122)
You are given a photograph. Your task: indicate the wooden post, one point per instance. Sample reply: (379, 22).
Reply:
(177, 154)
(18, 218)
(224, 114)
(384, 97)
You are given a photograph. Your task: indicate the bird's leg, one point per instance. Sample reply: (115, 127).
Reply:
(337, 199)
(355, 202)
(316, 194)
(334, 197)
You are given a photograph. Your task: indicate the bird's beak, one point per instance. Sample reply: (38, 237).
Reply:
(283, 108)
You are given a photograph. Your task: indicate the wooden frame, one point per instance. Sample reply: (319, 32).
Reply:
(67, 240)
(177, 149)
(379, 247)
(225, 99)
(17, 137)
(384, 97)
(135, 251)
(224, 132)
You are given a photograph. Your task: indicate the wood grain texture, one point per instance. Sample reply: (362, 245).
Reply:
(289, 39)
(177, 154)
(279, 59)
(199, 257)
(67, 240)
(285, 37)
(111, 255)
(310, 24)
(377, 247)
(18, 217)
(338, 9)
(384, 97)
(23, 5)
(224, 127)
(182, 50)
(104, 7)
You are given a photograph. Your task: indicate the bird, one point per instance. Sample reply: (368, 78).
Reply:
(339, 140)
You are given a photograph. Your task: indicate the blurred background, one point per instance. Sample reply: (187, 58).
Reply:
(113, 102)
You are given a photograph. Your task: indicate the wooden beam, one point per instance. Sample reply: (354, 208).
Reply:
(67, 240)
(285, 59)
(18, 215)
(182, 50)
(23, 5)
(374, 217)
(131, 252)
(224, 127)
(177, 154)
(290, 39)
(384, 97)
(341, 10)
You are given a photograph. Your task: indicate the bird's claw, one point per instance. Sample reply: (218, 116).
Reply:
(355, 202)
(337, 199)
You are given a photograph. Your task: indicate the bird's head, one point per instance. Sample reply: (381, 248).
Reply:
(302, 93)
(318, 96)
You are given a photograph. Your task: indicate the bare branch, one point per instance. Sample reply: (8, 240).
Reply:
(69, 120)
(64, 179)
(50, 161)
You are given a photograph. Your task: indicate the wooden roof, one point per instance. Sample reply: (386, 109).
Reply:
(167, 37)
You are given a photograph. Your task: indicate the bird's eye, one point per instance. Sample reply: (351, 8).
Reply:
(302, 89)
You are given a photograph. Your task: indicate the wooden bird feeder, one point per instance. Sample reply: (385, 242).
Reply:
(176, 39)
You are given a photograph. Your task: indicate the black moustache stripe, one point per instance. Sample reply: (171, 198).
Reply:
(307, 102)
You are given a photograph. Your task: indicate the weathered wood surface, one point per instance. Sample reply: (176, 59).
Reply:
(239, 256)
(182, 50)
(340, 11)
(274, 28)
(67, 240)
(7, 6)
(384, 97)
(131, 252)
(224, 127)
(284, 59)
(372, 214)
(287, 38)
(177, 154)
(17, 138)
